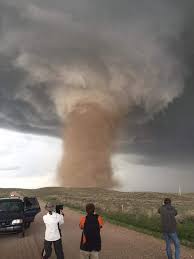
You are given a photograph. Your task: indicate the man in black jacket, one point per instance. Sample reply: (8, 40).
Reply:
(168, 222)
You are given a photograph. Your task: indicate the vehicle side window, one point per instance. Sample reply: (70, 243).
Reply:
(27, 203)
(31, 202)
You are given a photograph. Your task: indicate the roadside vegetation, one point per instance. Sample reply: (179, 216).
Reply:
(136, 211)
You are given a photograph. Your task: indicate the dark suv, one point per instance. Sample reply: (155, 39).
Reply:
(16, 214)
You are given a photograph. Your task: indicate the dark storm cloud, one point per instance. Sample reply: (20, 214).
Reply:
(169, 136)
(132, 54)
(17, 112)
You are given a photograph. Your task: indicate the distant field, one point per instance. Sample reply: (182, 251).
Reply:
(137, 210)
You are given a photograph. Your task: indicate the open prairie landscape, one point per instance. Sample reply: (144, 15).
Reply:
(118, 241)
(134, 210)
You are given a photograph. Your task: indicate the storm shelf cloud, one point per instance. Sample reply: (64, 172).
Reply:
(128, 61)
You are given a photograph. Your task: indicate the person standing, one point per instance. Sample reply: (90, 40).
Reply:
(91, 224)
(169, 227)
(52, 221)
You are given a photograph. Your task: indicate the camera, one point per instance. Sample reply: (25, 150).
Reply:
(58, 208)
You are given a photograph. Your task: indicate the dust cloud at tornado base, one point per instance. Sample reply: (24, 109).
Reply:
(88, 143)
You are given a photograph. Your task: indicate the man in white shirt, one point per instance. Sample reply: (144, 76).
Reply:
(52, 221)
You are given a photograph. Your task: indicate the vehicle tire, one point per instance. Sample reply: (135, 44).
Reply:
(22, 233)
(27, 225)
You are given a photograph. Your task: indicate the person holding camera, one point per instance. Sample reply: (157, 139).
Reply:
(169, 227)
(52, 221)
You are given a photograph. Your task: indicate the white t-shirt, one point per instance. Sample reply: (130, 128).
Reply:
(51, 222)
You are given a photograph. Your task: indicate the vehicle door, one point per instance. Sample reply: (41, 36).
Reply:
(31, 208)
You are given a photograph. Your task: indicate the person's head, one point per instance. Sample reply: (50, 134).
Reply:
(50, 207)
(90, 208)
(167, 201)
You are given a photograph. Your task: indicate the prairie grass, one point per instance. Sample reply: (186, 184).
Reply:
(137, 210)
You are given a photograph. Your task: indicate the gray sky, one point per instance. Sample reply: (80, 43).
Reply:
(132, 56)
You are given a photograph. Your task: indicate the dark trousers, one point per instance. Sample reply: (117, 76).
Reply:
(48, 249)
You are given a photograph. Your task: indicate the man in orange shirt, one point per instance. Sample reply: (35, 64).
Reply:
(91, 224)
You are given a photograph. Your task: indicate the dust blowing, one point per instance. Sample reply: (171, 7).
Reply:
(88, 140)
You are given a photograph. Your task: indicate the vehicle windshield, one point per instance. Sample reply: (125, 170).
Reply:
(11, 206)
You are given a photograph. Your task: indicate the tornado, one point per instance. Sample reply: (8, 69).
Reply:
(88, 145)
(97, 64)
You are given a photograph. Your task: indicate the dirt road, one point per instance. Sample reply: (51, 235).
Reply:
(118, 242)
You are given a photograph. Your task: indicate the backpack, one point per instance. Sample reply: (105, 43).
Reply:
(91, 239)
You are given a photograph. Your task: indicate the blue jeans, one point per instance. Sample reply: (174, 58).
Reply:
(172, 237)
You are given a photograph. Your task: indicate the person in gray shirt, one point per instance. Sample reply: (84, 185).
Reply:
(169, 228)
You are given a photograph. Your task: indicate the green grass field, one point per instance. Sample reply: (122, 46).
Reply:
(133, 210)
